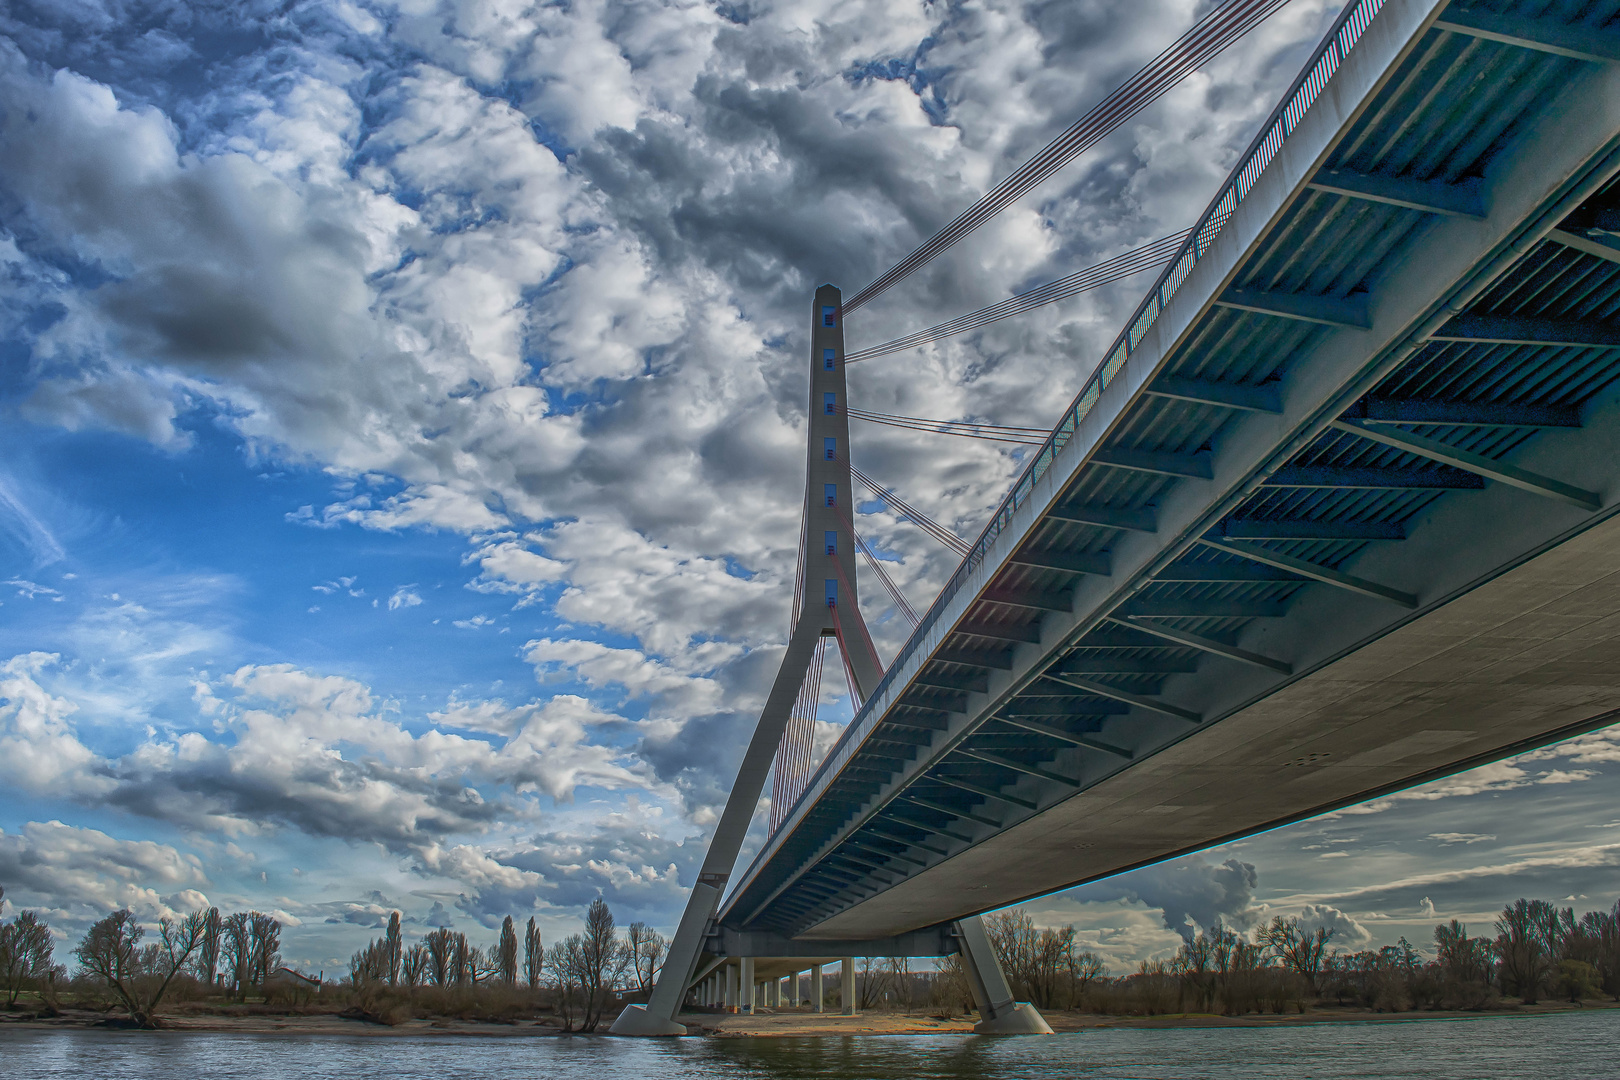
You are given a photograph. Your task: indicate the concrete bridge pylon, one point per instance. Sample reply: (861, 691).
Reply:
(826, 605)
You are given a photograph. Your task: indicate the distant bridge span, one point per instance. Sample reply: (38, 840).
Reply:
(1335, 517)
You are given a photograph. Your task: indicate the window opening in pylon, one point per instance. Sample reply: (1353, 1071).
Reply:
(832, 542)
(827, 359)
(829, 403)
(829, 315)
(831, 491)
(831, 446)
(832, 592)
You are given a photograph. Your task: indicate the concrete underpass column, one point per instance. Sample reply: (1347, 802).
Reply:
(816, 989)
(999, 1014)
(846, 987)
(731, 986)
(774, 994)
(745, 975)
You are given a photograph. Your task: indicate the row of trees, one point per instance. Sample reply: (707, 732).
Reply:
(579, 976)
(1539, 950)
(233, 954)
(26, 959)
(445, 958)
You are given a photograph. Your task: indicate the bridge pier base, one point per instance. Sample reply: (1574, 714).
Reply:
(636, 1020)
(999, 1014)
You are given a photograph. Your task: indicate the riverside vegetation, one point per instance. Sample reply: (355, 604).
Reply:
(209, 963)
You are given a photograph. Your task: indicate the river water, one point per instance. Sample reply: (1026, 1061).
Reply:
(1573, 1045)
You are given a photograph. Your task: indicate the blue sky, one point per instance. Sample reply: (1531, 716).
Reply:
(401, 434)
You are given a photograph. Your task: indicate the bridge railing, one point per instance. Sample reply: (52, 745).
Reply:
(1313, 79)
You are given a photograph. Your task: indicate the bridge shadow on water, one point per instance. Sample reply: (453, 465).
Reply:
(1566, 1046)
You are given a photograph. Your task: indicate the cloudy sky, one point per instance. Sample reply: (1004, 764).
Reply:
(401, 434)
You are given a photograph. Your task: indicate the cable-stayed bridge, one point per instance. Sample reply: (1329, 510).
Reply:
(1334, 516)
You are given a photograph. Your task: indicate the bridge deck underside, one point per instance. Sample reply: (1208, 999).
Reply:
(1338, 525)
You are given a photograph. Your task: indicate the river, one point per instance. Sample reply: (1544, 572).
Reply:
(1573, 1045)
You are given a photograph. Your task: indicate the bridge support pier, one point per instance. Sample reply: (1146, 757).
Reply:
(999, 1014)
(816, 991)
(827, 605)
(846, 986)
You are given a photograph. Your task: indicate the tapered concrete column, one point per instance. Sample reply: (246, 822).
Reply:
(816, 989)
(999, 1014)
(746, 976)
(846, 987)
(773, 993)
(828, 604)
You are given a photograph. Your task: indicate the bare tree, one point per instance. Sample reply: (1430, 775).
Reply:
(951, 985)
(604, 959)
(534, 955)
(1525, 936)
(506, 954)
(208, 951)
(139, 978)
(369, 966)
(265, 954)
(461, 965)
(565, 964)
(1085, 968)
(482, 967)
(1037, 961)
(237, 935)
(1298, 950)
(870, 985)
(25, 954)
(413, 968)
(394, 945)
(1603, 927)
(441, 946)
(647, 947)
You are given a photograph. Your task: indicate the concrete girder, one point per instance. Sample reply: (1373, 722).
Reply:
(1064, 561)
(1542, 35)
(1243, 396)
(1106, 517)
(1341, 311)
(1460, 199)
(1313, 571)
(1074, 739)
